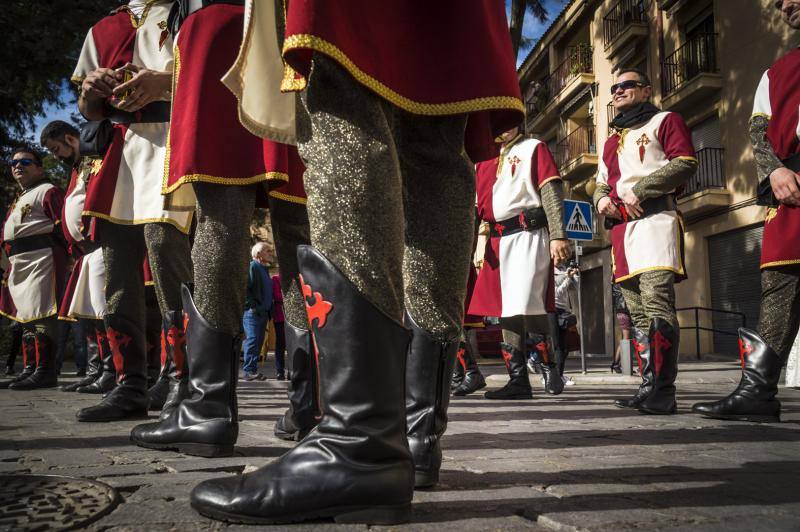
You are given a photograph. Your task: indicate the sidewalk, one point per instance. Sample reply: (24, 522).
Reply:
(571, 462)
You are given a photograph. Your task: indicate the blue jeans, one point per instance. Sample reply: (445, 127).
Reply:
(255, 326)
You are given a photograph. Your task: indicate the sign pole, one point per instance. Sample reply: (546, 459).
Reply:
(580, 307)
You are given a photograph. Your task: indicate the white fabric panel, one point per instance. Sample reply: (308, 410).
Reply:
(514, 191)
(632, 167)
(88, 299)
(652, 243)
(524, 272)
(761, 103)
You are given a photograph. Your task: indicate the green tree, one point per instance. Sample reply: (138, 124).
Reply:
(41, 43)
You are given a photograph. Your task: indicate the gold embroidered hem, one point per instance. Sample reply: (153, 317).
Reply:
(53, 312)
(780, 263)
(432, 109)
(287, 197)
(543, 183)
(102, 216)
(678, 271)
(230, 181)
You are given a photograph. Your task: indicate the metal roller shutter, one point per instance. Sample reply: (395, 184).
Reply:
(733, 261)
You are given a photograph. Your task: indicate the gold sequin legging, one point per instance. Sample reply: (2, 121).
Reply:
(390, 198)
(779, 319)
(651, 295)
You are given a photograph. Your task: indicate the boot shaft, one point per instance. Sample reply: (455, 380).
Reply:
(303, 389)
(126, 344)
(174, 344)
(515, 363)
(664, 342)
(761, 366)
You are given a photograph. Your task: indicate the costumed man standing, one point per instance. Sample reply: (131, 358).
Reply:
(227, 170)
(520, 195)
(467, 376)
(647, 158)
(84, 297)
(36, 251)
(390, 202)
(775, 135)
(124, 208)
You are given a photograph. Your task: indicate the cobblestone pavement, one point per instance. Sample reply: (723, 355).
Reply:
(572, 462)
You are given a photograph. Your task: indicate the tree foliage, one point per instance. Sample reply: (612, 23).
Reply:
(518, 10)
(41, 43)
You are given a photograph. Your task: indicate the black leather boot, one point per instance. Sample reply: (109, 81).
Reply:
(664, 341)
(205, 424)
(459, 368)
(128, 400)
(158, 385)
(303, 413)
(473, 378)
(518, 385)
(93, 366)
(28, 348)
(429, 369)
(355, 466)
(641, 345)
(107, 379)
(44, 376)
(754, 398)
(558, 342)
(178, 373)
(552, 378)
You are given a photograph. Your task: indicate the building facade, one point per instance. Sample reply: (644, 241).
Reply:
(705, 59)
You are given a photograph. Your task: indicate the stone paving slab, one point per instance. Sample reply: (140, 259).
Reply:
(571, 462)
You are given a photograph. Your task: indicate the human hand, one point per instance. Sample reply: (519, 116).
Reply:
(607, 208)
(560, 251)
(144, 87)
(632, 203)
(99, 84)
(785, 185)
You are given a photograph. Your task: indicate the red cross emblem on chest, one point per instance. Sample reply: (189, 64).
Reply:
(642, 142)
(513, 161)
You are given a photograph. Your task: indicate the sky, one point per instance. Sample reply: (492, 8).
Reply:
(531, 28)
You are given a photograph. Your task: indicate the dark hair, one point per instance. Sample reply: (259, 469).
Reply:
(643, 78)
(56, 130)
(36, 156)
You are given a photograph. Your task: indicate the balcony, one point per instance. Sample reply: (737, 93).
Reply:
(576, 154)
(690, 74)
(569, 77)
(624, 25)
(706, 190)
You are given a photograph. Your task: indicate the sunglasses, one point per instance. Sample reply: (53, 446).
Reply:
(24, 162)
(625, 85)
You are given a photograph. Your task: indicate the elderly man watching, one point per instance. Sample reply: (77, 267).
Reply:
(258, 306)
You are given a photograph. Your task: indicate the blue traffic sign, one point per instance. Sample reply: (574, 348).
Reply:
(578, 220)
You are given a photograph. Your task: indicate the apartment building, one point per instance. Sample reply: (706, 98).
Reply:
(705, 58)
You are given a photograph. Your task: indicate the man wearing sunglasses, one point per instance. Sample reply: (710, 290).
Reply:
(647, 158)
(775, 135)
(36, 251)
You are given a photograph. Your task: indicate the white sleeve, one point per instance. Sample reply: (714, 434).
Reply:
(88, 61)
(761, 103)
(602, 172)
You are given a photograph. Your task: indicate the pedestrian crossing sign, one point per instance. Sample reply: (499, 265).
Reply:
(578, 220)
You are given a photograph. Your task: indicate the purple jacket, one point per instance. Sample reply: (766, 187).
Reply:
(277, 300)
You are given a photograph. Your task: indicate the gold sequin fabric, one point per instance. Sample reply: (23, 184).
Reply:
(766, 160)
(390, 198)
(651, 295)
(290, 229)
(221, 253)
(779, 318)
(552, 194)
(516, 329)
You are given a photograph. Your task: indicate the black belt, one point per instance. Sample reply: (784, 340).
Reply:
(764, 195)
(529, 220)
(31, 243)
(87, 246)
(152, 112)
(649, 207)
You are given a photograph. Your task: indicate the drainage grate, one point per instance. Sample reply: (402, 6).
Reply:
(50, 502)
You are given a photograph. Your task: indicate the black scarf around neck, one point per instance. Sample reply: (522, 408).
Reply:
(636, 115)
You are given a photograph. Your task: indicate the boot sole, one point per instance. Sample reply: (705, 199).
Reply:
(753, 418)
(657, 412)
(425, 479)
(369, 515)
(204, 450)
(37, 387)
(510, 397)
(481, 387)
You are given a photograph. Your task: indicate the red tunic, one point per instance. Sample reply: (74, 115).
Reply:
(430, 58)
(207, 143)
(284, 165)
(778, 97)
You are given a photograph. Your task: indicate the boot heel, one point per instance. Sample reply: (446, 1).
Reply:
(425, 479)
(205, 450)
(377, 515)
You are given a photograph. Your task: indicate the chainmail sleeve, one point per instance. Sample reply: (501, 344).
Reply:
(666, 179)
(766, 160)
(552, 194)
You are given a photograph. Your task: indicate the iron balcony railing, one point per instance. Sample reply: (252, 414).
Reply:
(619, 17)
(537, 100)
(697, 56)
(579, 60)
(697, 327)
(582, 140)
(710, 171)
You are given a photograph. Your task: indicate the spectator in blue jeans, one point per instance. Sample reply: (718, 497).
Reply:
(258, 306)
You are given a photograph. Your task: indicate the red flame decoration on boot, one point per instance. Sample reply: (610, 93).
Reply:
(659, 343)
(744, 350)
(460, 356)
(117, 340)
(177, 340)
(507, 356)
(638, 349)
(319, 310)
(542, 348)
